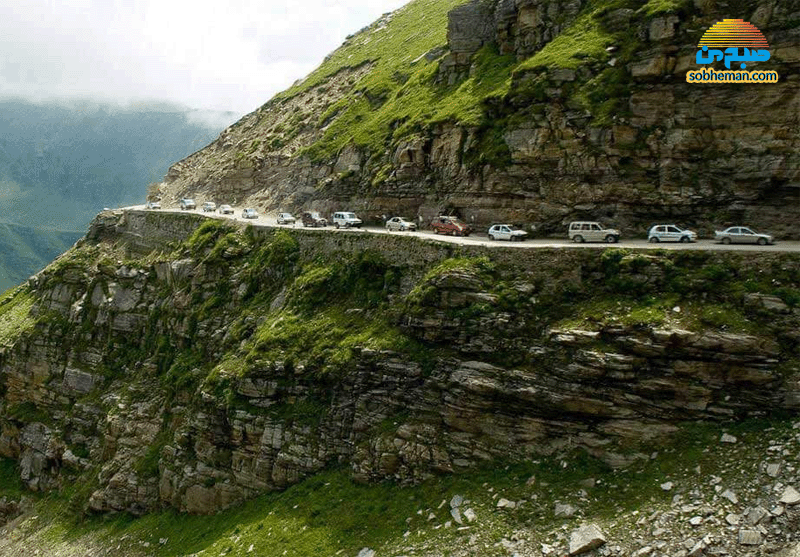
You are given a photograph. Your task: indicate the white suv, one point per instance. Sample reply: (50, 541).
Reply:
(670, 233)
(587, 231)
(347, 220)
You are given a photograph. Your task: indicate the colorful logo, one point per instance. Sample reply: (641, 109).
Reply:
(732, 40)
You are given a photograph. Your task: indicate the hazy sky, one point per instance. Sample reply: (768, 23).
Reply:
(220, 55)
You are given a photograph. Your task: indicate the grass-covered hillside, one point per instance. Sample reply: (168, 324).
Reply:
(401, 96)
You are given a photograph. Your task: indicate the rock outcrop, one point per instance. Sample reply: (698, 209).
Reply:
(159, 379)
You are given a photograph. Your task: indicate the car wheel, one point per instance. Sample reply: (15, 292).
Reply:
(610, 239)
(684, 239)
(654, 240)
(726, 241)
(337, 226)
(762, 241)
(491, 237)
(578, 239)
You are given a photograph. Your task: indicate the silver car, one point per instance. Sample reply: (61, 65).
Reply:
(188, 204)
(590, 231)
(249, 214)
(742, 235)
(225, 210)
(153, 204)
(209, 207)
(506, 232)
(399, 223)
(670, 233)
(285, 218)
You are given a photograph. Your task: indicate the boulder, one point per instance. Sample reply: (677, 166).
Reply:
(586, 538)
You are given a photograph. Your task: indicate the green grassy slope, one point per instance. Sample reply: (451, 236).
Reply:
(400, 97)
(331, 515)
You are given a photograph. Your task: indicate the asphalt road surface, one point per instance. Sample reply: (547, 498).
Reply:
(480, 239)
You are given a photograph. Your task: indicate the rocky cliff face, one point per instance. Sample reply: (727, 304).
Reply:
(537, 112)
(169, 360)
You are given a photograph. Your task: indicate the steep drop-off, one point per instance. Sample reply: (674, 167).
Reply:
(531, 111)
(171, 360)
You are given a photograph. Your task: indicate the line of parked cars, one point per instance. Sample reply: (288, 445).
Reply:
(594, 232)
(578, 231)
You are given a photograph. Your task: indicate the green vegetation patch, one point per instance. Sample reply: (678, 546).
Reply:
(10, 483)
(392, 46)
(326, 342)
(584, 39)
(15, 315)
(409, 108)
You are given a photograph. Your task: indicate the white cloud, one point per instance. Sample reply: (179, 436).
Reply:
(231, 55)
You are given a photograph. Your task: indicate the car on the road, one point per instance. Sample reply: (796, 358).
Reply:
(249, 214)
(346, 219)
(506, 232)
(399, 223)
(225, 210)
(742, 235)
(188, 204)
(313, 219)
(285, 218)
(590, 231)
(452, 226)
(153, 205)
(671, 233)
(209, 207)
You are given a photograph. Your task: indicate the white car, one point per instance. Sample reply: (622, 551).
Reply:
(188, 204)
(346, 219)
(209, 207)
(285, 218)
(506, 232)
(153, 205)
(670, 233)
(225, 210)
(742, 235)
(399, 223)
(249, 214)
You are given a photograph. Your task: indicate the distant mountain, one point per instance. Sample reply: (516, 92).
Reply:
(61, 163)
(24, 250)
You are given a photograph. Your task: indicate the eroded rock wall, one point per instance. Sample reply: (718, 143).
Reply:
(621, 138)
(142, 377)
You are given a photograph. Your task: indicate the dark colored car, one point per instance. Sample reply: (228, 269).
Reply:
(451, 226)
(313, 219)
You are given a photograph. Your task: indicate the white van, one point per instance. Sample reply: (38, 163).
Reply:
(346, 220)
(587, 231)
